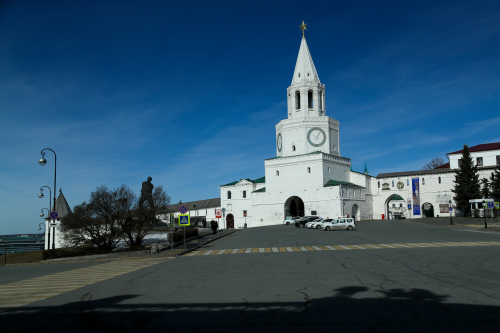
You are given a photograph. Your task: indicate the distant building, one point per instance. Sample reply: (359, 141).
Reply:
(52, 226)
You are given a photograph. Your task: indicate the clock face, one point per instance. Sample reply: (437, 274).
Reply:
(279, 142)
(316, 137)
(401, 185)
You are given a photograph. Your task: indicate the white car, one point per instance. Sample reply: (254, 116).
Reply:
(343, 223)
(309, 224)
(291, 221)
(319, 224)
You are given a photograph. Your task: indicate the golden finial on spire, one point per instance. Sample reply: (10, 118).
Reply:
(303, 27)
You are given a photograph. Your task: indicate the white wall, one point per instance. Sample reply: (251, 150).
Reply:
(489, 158)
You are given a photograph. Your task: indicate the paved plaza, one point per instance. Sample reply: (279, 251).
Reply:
(384, 276)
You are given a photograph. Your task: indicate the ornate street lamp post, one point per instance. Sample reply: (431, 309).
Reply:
(484, 212)
(40, 195)
(42, 162)
(48, 227)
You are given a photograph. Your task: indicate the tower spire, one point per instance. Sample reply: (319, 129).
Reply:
(366, 168)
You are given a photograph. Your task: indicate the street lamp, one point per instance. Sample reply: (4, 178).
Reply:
(42, 162)
(449, 208)
(40, 195)
(48, 227)
(484, 212)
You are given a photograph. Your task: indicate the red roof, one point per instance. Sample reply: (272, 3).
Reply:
(481, 147)
(444, 166)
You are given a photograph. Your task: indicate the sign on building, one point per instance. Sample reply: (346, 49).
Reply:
(415, 185)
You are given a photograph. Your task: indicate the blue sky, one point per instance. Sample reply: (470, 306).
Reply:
(189, 92)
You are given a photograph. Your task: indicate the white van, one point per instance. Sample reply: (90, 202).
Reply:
(342, 223)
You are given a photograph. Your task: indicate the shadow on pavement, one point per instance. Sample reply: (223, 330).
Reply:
(394, 310)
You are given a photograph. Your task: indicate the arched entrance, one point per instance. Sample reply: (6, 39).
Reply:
(355, 212)
(230, 221)
(428, 209)
(395, 207)
(294, 206)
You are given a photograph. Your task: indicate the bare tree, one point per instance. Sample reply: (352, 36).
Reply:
(113, 215)
(433, 164)
(93, 223)
(137, 225)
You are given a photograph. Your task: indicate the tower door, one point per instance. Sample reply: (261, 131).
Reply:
(230, 221)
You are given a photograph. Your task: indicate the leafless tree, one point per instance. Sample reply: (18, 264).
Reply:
(433, 164)
(113, 215)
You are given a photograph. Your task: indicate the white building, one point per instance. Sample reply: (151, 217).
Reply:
(308, 176)
(433, 186)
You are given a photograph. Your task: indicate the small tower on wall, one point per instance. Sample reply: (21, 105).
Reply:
(306, 94)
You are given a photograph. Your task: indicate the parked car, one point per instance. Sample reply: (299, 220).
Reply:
(292, 220)
(343, 223)
(302, 222)
(309, 224)
(319, 224)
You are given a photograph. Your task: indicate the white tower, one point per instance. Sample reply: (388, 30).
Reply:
(307, 128)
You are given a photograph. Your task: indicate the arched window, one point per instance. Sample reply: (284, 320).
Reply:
(310, 99)
(321, 100)
(277, 173)
(308, 170)
(229, 194)
(328, 169)
(293, 148)
(297, 100)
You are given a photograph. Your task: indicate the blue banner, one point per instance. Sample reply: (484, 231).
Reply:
(416, 195)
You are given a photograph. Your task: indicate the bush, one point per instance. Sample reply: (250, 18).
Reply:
(179, 235)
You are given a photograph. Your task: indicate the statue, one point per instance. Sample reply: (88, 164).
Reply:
(147, 194)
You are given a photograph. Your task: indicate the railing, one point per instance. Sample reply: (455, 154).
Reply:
(8, 250)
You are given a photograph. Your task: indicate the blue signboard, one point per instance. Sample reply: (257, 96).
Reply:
(491, 205)
(409, 206)
(415, 184)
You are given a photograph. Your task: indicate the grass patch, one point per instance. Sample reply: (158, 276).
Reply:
(22, 257)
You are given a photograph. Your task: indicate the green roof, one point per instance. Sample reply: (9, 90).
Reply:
(396, 197)
(260, 190)
(339, 182)
(257, 181)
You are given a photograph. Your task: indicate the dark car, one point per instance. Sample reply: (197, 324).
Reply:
(302, 222)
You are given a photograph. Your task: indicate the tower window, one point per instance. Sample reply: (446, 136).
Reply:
(244, 194)
(297, 100)
(310, 99)
(229, 194)
(299, 74)
(328, 170)
(308, 170)
(277, 173)
(321, 100)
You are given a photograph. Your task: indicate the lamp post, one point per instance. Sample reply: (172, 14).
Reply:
(48, 227)
(40, 195)
(484, 213)
(42, 162)
(449, 206)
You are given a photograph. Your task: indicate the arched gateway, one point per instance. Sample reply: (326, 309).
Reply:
(294, 206)
(230, 221)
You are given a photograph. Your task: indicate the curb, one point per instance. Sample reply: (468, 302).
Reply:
(197, 247)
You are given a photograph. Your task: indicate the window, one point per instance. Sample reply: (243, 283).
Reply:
(498, 159)
(293, 147)
(423, 181)
(407, 182)
(244, 213)
(308, 170)
(310, 99)
(378, 184)
(459, 162)
(439, 180)
(400, 205)
(244, 194)
(229, 194)
(321, 101)
(393, 205)
(297, 99)
(393, 183)
(328, 170)
(479, 161)
(277, 173)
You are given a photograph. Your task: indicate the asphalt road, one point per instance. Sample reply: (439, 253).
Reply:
(410, 289)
